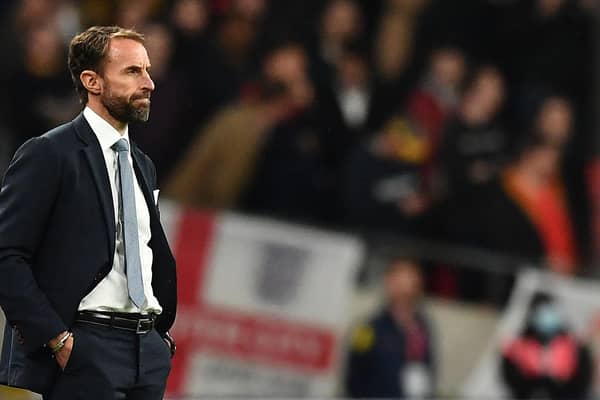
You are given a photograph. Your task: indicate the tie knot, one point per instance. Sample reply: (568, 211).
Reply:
(121, 145)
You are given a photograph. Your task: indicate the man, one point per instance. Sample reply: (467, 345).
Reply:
(392, 356)
(87, 280)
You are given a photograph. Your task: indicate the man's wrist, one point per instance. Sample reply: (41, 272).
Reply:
(58, 345)
(54, 341)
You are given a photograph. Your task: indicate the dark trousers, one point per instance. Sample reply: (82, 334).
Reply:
(111, 364)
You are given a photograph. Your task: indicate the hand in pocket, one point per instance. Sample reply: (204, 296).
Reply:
(64, 354)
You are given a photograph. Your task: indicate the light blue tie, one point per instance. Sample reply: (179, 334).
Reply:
(133, 265)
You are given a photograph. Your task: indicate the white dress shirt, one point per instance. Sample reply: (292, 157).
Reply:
(111, 293)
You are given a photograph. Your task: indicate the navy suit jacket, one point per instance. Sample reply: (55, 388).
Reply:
(57, 241)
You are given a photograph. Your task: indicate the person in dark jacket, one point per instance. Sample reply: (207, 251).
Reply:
(383, 186)
(392, 356)
(525, 213)
(474, 142)
(87, 279)
(546, 360)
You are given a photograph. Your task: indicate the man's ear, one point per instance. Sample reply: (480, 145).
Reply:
(91, 81)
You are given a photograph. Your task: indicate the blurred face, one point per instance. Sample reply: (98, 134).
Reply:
(392, 47)
(403, 283)
(251, 9)
(289, 66)
(126, 85)
(555, 120)
(133, 13)
(484, 99)
(548, 8)
(238, 35)
(34, 12)
(43, 48)
(448, 66)
(159, 45)
(341, 20)
(190, 15)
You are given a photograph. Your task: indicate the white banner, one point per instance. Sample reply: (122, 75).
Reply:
(263, 305)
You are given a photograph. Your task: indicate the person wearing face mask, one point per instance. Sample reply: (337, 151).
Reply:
(546, 361)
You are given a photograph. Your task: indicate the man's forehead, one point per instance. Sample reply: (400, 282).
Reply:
(126, 50)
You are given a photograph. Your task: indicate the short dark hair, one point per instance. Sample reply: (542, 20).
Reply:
(88, 50)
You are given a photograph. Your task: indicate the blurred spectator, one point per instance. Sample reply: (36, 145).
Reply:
(288, 64)
(128, 14)
(253, 10)
(547, 360)
(554, 119)
(167, 133)
(67, 18)
(32, 13)
(535, 184)
(219, 67)
(427, 108)
(134, 13)
(190, 20)
(396, 38)
(218, 165)
(474, 143)
(473, 149)
(40, 92)
(352, 91)
(350, 102)
(438, 94)
(383, 185)
(341, 23)
(392, 356)
(291, 178)
(23, 16)
(526, 213)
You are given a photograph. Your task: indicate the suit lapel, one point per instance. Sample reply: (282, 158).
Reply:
(97, 164)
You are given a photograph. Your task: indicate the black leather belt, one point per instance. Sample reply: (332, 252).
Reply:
(137, 323)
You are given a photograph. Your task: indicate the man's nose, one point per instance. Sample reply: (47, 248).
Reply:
(147, 83)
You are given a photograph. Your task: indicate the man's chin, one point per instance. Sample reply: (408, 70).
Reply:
(142, 116)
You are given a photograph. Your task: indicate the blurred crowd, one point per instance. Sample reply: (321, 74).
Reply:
(469, 122)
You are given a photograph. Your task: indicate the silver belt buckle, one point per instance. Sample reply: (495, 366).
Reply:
(138, 328)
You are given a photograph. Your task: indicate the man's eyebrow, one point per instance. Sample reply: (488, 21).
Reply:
(135, 67)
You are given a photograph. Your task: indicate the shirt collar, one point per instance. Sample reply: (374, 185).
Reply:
(107, 135)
